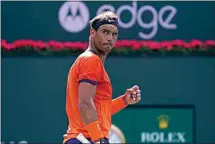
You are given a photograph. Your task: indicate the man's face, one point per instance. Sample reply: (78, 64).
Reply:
(105, 37)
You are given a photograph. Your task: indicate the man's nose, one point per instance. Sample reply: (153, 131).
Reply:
(109, 37)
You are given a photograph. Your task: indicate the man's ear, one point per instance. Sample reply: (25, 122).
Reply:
(92, 32)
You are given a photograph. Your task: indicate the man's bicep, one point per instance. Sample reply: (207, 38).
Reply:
(86, 91)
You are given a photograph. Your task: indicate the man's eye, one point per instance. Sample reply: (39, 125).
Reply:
(105, 32)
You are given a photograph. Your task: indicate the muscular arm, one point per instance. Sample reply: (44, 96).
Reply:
(89, 75)
(118, 104)
(88, 110)
(86, 104)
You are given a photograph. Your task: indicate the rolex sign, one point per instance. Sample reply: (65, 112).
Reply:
(163, 136)
(157, 124)
(168, 126)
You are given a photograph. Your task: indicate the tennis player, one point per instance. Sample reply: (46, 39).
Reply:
(89, 103)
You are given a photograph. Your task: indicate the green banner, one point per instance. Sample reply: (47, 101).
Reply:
(156, 124)
(66, 21)
(33, 97)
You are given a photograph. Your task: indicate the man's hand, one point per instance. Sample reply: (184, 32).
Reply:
(133, 95)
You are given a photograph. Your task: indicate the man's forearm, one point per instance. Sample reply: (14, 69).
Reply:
(118, 104)
(88, 112)
(89, 116)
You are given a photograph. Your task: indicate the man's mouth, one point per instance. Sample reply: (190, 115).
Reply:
(109, 44)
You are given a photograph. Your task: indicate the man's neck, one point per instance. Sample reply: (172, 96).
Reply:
(100, 54)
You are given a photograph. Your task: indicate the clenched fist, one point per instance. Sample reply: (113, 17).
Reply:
(133, 95)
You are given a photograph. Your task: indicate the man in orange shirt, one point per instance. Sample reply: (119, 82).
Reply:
(89, 103)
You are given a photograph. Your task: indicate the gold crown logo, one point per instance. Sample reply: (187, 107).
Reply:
(163, 121)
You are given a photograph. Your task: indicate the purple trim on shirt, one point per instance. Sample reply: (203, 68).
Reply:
(89, 81)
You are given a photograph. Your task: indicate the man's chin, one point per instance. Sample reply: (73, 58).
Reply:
(107, 49)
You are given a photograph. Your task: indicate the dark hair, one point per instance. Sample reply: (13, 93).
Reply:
(104, 17)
